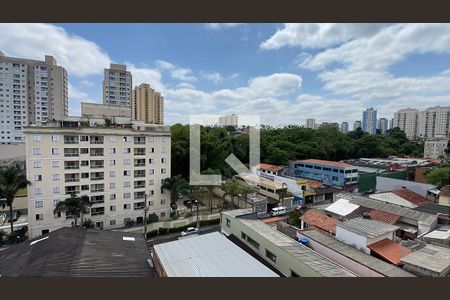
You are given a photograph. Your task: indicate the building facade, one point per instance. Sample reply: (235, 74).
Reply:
(356, 125)
(117, 167)
(344, 127)
(328, 172)
(148, 105)
(311, 123)
(31, 92)
(435, 148)
(369, 121)
(117, 85)
(408, 121)
(95, 110)
(383, 125)
(434, 121)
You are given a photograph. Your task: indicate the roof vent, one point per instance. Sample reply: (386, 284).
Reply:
(366, 216)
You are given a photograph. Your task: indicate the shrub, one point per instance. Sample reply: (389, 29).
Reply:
(152, 218)
(130, 223)
(152, 233)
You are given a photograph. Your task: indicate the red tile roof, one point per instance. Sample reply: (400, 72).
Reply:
(270, 167)
(411, 197)
(383, 216)
(314, 184)
(445, 191)
(314, 218)
(327, 163)
(274, 219)
(389, 250)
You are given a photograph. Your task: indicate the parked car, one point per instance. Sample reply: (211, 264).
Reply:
(189, 231)
(278, 211)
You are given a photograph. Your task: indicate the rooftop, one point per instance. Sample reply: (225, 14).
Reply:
(430, 257)
(70, 252)
(371, 262)
(434, 208)
(389, 250)
(383, 216)
(315, 218)
(270, 167)
(367, 227)
(411, 196)
(342, 207)
(208, 255)
(442, 233)
(327, 163)
(445, 191)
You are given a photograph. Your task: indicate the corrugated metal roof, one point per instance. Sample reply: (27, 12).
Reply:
(208, 255)
(371, 262)
(367, 227)
(430, 257)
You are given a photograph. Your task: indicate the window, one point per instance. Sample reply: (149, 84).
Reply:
(37, 151)
(55, 138)
(38, 191)
(271, 256)
(126, 150)
(163, 171)
(112, 197)
(127, 139)
(112, 162)
(55, 202)
(112, 222)
(228, 223)
(112, 150)
(163, 160)
(112, 173)
(163, 214)
(38, 204)
(84, 150)
(112, 185)
(126, 195)
(151, 171)
(85, 187)
(252, 242)
(55, 163)
(84, 138)
(55, 151)
(151, 182)
(37, 164)
(127, 206)
(126, 184)
(334, 178)
(39, 217)
(127, 173)
(243, 235)
(127, 161)
(112, 208)
(37, 177)
(84, 163)
(56, 190)
(36, 138)
(163, 201)
(150, 203)
(150, 160)
(112, 139)
(56, 177)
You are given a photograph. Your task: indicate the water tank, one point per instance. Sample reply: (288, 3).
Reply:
(303, 241)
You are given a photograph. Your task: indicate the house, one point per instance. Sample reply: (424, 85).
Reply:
(444, 196)
(269, 169)
(341, 208)
(361, 232)
(439, 237)
(430, 260)
(389, 251)
(386, 184)
(402, 197)
(314, 219)
(328, 172)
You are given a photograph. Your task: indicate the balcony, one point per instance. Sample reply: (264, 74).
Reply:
(97, 164)
(71, 152)
(97, 188)
(97, 199)
(139, 151)
(96, 152)
(139, 162)
(96, 139)
(95, 211)
(139, 173)
(72, 178)
(139, 184)
(139, 140)
(72, 189)
(139, 195)
(71, 165)
(139, 205)
(71, 139)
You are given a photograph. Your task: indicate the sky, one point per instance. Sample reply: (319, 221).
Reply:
(283, 72)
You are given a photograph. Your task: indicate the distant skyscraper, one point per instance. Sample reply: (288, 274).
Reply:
(369, 120)
(311, 123)
(117, 86)
(31, 92)
(357, 125)
(148, 105)
(344, 127)
(391, 123)
(434, 122)
(408, 121)
(383, 125)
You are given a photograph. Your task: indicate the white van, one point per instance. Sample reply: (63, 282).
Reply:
(278, 211)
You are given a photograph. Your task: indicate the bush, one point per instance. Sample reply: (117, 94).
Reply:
(130, 223)
(152, 233)
(152, 218)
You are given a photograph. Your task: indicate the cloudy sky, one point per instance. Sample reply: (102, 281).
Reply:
(283, 72)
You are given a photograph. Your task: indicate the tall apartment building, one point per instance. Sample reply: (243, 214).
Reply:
(383, 125)
(117, 85)
(356, 125)
(344, 127)
(408, 121)
(148, 105)
(437, 147)
(311, 123)
(391, 123)
(31, 92)
(230, 120)
(434, 121)
(115, 166)
(369, 121)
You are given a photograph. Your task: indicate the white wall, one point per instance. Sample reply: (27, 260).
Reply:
(392, 198)
(353, 239)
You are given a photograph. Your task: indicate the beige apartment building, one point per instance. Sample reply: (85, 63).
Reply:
(117, 85)
(118, 167)
(148, 105)
(31, 92)
(96, 110)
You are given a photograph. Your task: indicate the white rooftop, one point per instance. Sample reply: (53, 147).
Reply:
(439, 234)
(342, 207)
(208, 255)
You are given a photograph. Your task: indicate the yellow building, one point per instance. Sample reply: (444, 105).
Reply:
(148, 105)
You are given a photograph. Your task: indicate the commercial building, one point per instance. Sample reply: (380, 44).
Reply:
(436, 148)
(95, 110)
(344, 127)
(117, 86)
(328, 172)
(357, 124)
(287, 255)
(78, 252)
(31, 92)
(148, 105)
(408, 121)
(428, 261)
(229, 120)
(117, 166)
(383, 125)
(206, 255)
(369, 120)
(311, 123)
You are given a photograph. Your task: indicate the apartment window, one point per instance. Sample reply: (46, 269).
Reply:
(271, 256)
(151, 171)
(127, 173)
(56, 190)
(151, 203)
(152, 150)
(84, 163)
(163, 171)
(37, 151)
(55, 151)
(112, 208)
(334, 178)
(112, 173)
(55, 202)
(37, 177)
(126, 150)
(56, 177)
(112, 139)
(112, 150)
(84, 150)
(127, 161)
(85, 187)
(126, 184)
(38, 204)
(126, 195)
(112, 197)
(151, 182)
(55, 163)
(228, 222)
(38, 191)
(163, 214)
(163, 150)
(163, 201)
(151, 139)
(150, 160)
(112, 185)
(112, 162)
(37, 138)
(112, 222)
(163, 160)
(39, 217)
(127, 206)
(55, 138)
(84, 138)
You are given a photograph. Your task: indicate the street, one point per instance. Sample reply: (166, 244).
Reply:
(174, 236)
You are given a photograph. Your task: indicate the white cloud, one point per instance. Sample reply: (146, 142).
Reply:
(185, 85)
(276, 84)
(79, 56)
(146, 75)
(87, 83)
(214, 77)
(165, 65)
(217, 26)
(183, 74)
(234, 75)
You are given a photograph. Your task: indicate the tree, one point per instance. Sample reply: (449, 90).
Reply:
(12, 180)
(209, 187)
(245, 190)
(177, 186)
(439, 176)
(88, 224)
(74, 206)
(231, 189)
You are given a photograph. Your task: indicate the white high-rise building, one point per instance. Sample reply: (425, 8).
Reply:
(408, 121)
(117, 86)
(120, 167)
(436, 147)
(311, 123)
(31, 92)
(369, 120)
(356, 125)
(434, 121)
(344, 127)
(383, 125)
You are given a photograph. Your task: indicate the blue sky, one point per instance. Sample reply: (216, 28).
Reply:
(283, 72)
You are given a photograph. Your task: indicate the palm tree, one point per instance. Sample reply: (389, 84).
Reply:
(231, 189)
(74, 205)
(177, 185)
(12, 179)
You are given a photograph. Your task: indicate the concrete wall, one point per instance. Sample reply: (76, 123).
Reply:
(350, 238)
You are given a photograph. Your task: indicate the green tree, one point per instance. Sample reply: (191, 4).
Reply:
(245, 190)
(12, 180)
(177, 186)
(439, 176)
(231, 189)
(74, 206)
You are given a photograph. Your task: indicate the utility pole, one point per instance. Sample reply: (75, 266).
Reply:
(145, 217)
(196, 202)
